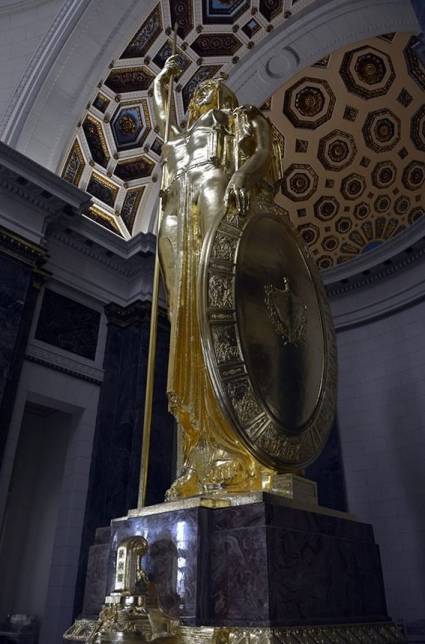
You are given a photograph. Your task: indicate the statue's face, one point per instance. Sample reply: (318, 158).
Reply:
(206, 95)
(203, 99)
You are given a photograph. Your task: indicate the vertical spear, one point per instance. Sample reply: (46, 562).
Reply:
(147, 420)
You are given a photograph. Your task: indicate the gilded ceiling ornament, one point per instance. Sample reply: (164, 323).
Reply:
(367, 72)
(353, 186)
(130, 206)
(415, 214)
(146, 36)
(415, 67)
(343, 225)
(370, 69)
(74, 165)
(309, 103)
(326, 208)
(309, 233)
(337, 150)
(414, 175)
(130, 79)
(299, 182)
(402, 205)
(381, 130)
(181, 12)
(417, 129)
(384, 174)
(127, 124)
(382, 203)
(362, 210)
(96, 141)
(102, 189)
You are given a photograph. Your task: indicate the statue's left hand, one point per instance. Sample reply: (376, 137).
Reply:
(238, 192)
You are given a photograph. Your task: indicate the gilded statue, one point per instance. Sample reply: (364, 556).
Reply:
(221, 166)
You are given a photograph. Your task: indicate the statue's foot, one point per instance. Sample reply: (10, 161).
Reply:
(187, 484)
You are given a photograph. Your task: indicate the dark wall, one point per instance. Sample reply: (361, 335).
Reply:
(328, 472)
(382, 428)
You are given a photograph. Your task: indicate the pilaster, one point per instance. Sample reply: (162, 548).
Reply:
(21, 269)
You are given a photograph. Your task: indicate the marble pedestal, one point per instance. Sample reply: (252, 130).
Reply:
(263, 564)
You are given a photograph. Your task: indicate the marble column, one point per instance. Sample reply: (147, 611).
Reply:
(114, 476)
(21, 277)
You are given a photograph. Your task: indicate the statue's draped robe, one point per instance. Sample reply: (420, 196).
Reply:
(219, 457)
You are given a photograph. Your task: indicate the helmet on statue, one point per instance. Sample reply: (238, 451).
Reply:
(211, 94)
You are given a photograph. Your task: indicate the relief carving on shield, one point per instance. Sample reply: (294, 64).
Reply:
(268, 338)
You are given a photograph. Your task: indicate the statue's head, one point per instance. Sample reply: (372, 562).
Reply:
(210, 94)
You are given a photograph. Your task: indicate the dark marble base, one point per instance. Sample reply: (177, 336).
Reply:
(262, 564)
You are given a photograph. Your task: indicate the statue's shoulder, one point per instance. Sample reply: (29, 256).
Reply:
(249, 111)
(247, 117)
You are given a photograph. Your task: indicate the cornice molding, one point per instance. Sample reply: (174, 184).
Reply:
(409, 238)
(394, 255)
(21, 249)
(143, 244)
(392, 287)
(13, 6)
(64, 364)
(124, 316)
(137, 312)
(32, 182)
(385, 272)
(124, 258)
(29, 193)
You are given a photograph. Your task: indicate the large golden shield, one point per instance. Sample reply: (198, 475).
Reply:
(268, 338)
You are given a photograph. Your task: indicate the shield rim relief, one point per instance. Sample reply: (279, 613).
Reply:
(252, 422)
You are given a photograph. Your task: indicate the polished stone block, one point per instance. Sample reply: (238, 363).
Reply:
(174, 562)
(266, 563)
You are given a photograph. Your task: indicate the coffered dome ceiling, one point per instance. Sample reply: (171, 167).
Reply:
(353, 127)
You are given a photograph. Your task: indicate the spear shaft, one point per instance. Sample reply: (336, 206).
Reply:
(153, 333)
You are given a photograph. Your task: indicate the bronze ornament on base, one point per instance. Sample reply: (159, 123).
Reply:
(338, 634)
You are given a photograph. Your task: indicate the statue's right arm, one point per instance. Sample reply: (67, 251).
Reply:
(160, 94)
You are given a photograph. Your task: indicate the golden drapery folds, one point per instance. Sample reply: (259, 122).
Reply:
(213, 456)
(215, 165)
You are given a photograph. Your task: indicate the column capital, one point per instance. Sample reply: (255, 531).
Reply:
(25, 251)
(137, 312)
